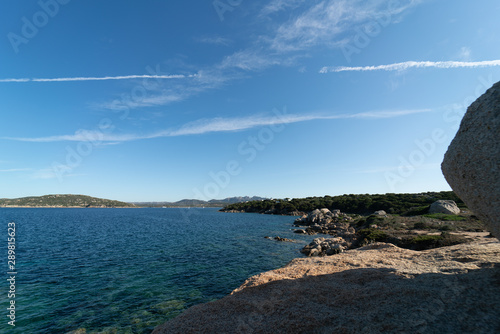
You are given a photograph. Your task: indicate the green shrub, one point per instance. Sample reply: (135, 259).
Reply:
(372, 235)
(423, 242)
(445, 228)
(421, 210)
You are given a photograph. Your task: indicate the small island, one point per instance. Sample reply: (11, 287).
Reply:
(62, 201)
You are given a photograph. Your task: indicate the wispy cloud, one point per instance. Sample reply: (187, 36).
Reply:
(49, 173)
(379, 170)
(279, 5)
(414, 64)
(387, 114)
(249, 60)
(213, 125)
(121, 77)
(331, 23)
(14, 170)
(216, 40)
(284, 40)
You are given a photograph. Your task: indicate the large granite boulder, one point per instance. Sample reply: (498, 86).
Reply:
(444, 206)
(472, 163)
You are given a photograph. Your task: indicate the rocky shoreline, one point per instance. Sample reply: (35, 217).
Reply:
(345, 231)
(379, 287)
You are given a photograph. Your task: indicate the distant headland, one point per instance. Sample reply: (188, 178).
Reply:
(83, 201)
(62, 201)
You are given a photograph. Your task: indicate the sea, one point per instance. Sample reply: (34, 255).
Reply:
(129, 270)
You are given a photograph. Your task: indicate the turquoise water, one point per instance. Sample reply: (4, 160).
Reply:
(128, 270)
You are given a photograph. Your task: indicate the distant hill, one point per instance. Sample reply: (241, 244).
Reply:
(199, 203)
(63, 201)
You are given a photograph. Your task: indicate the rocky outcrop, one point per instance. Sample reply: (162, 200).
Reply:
(325, 246)
(333, 223)
(472, 163)
(326, 222)
(323, 216)
(375, 289)
(444, 206)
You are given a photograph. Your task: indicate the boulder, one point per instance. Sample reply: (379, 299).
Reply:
(380, 213)
(315, 216)
(472, 163)
(444, 206)
(320, 217)
(323, 246)
(300, 231)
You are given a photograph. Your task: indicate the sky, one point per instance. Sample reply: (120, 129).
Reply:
(162, 100)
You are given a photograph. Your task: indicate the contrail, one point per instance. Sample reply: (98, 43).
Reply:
(410, 64)
(121, 77)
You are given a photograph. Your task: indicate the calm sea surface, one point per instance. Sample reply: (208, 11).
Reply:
(128, 270)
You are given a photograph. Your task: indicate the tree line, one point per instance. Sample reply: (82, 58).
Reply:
(403, 204)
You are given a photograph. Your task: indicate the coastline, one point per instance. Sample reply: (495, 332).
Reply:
(360, 291)
(67, 207)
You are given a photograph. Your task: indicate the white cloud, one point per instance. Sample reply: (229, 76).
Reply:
(122, 77)
(49, 173)
(414, 64)
(388, 114)
(14, 170)
(308, 24)
(279, 5)
(428, 166)
(249, 60)
(329, 23)
(213, 125)
(217, 40)
(14, 80)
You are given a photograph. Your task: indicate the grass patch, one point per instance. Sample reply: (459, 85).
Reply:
(445, 217)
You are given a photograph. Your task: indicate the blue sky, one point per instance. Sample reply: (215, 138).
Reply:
(159, 101)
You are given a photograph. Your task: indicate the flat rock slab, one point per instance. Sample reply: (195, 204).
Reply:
(375, 289)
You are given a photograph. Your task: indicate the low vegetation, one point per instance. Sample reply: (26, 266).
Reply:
(401, 204)
(406, 222)
(416, 232)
